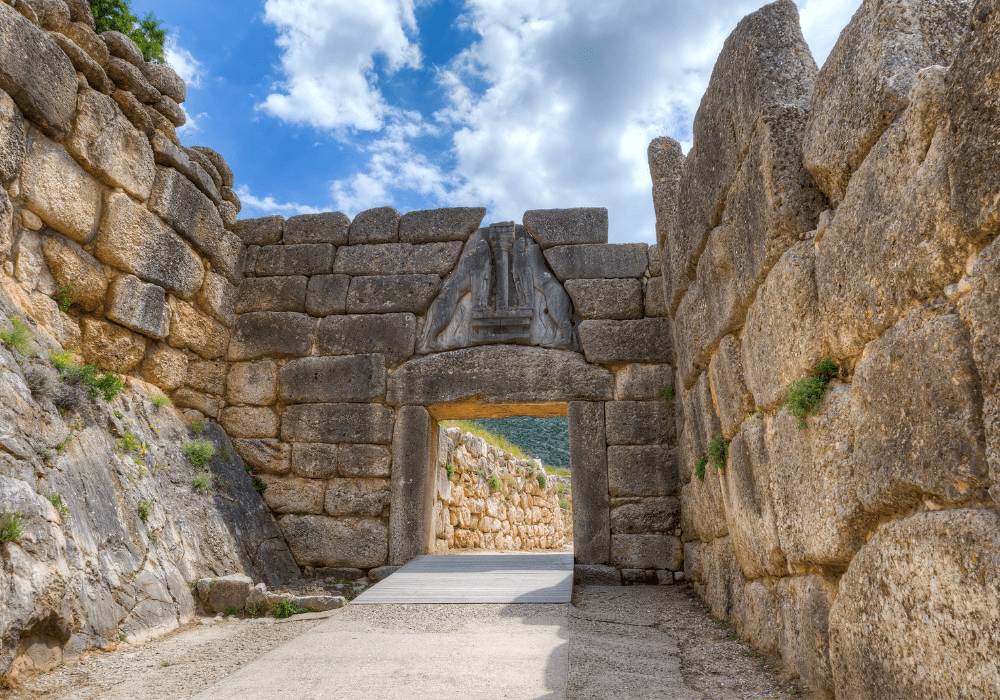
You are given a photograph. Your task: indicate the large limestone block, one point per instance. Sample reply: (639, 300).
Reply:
(804, 638)
(552, 227)
(702, 515)
(122, 46)
(619, 342)
(328, 227)
(412, 497)
(192, 214)
(379, 225)
(974, 112)
(918, 402)
(357, 496)
(643, 381)
(226, 177)
(209, 377)
(750, 517)
(229, 592)
(434, 225)
(916, 615)
(640, 422)
(598, 260)
(764, 63)
(498, 374)
(699, 425)
(250, 421)
(165, 80)
(637, 516)
(128, 77)
(784, 335)
(111, 347)
(36, 73)
(271, 334)
(895, 241)
(131, 238)
(333, 379)
(254, 383)
(650, 551)
(301, 259)
(725, 584)
(327, 294)
(139, 306)
(364, 460)
(318, 540)
(865, 83)
(386, 294)
(107, 144)
(266, 455)
(733, 401)
(666, 158)
(397, 258)
(62, 193)
(338, 422)
(654, 304)
(315, 460)
(272, 294)
(287, 494)
(13, 139)
(168, 153)
(814, 485)
(263, 231)
(762, 620)
(165, 367)
(588, 462)
(83, 62)
(391, 335)
(642, 470)
(189, 328)
(76, 269)
(188, 398)
(612, 299)
(217, 298)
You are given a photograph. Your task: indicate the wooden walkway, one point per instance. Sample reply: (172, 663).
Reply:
(476, 578)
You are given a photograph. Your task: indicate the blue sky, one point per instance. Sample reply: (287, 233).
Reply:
(345, 105)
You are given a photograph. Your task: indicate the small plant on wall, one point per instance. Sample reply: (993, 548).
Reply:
(718, 451)
(804, 395)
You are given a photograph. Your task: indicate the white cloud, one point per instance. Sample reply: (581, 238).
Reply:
(269, 205)
(822, 21)
(329, 49)
(182, 61)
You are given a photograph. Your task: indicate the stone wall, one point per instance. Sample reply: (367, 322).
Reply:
(847, 212)
(514, 512)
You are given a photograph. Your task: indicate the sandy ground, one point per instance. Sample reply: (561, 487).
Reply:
(618, 642)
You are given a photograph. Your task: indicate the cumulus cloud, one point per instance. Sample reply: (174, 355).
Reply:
(329, 51)
(262, 206)
(182, 61)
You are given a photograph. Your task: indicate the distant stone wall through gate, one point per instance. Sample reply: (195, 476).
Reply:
(354, 338)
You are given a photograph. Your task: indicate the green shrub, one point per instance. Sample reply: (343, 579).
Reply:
(197, 427)
(718, 451)
(19, 337)
(231, 611)
(542, 481)
(202, 482)
(564, 504)
(11, 526)
(105, 384)
(494, 482)
(667, 393)
(145, 507)
(58, 503)
(450, 468)
(699, 467)
(65, 297)
(286, 608)
(804, 395)
(161, 400)
(199, 451)
(259, 485)
(147, 32)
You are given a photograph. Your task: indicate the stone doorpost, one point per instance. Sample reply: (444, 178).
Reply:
(588, 463)
(414, 446)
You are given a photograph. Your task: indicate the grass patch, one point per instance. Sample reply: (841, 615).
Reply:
(450, 468)
(667, 393)
(542, 481)
(699, 467)
(497, 440)
(494, 482)
(804, 395)
(107, 385)
(199, 452)
(197, 427)
(558, 471)
(718, 451)
(18, 338)
(58, 503)
(145, 507)
(11, 526)
(161, 400)
(202, 482)
(286, 608)
(564, 504)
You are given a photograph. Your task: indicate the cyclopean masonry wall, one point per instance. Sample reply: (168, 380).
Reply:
(848, 212)
(353, 338)
(512, 513)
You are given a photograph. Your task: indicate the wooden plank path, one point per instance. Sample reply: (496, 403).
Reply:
(476, 578)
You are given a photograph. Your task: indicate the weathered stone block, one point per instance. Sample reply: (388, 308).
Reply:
(288, 494)
(266, 455)
(647, 552)
(133, 239)
(364, 460)
(315, 461)
(209, 377)
(189, 398)
(111, 347)
(940, 568)
(327, 294)
(265, 231)
(644, 515)
(271, 334)
(434, 225)
(333, 379)
(702, 515)
(699, 424)
(619, 342)
(229, 592)
(62, 193)
(317, 540)
(13, 137)
(596, 575)
(588, 458)
(272, 294)
(733, 400)
(398, 258)
(384, 294)
(302, 259)
(655, 263)
(249, 421)
(357, 496)
(36, 73)
(498, 374)
(412, 498)
(328, 227)
(253, 383)
(338, 422)
(598, 261)
(642, 470)
(392, 335)
(804, 603)
(139, 306)
(76, 269)
(189, 328)
(165, 79)
(638, 381)
(165, 367)
(379, 225)
(655, 305)
(640, 422)
(552, 227)
(109, 146)
(611, 299)
(217, 298)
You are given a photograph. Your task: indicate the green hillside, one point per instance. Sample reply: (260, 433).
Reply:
(546, 439)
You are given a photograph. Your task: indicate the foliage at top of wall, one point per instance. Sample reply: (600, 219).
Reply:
(492, 438)
(147, 32)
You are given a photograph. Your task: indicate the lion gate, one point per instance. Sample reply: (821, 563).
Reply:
(354, 338)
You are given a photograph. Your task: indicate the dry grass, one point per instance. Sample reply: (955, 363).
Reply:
(500, 441)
